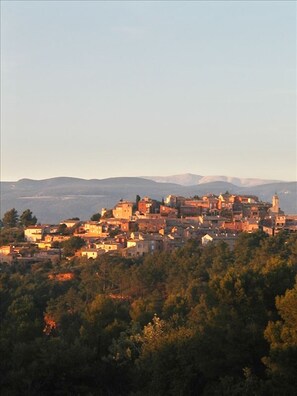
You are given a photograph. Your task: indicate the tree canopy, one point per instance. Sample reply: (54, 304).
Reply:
(10, 218)
(27, 218)
(195, 321)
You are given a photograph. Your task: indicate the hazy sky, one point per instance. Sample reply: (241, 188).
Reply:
(98, 89)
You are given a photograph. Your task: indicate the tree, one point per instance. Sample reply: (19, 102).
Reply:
(95, 217)
(108, 214)
(246, 246)
(282, 336)
(72, 244)
(27, 218)
(62, 229)
(137, 199)
(168, 363)
(10, 218)
(11, 235)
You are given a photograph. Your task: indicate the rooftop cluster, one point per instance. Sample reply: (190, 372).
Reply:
(132, 229)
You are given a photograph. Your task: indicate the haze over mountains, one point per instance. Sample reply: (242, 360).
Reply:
(189, 179)
(55, 199)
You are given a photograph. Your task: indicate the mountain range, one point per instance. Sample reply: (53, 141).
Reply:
(55, 199)
(189, 179)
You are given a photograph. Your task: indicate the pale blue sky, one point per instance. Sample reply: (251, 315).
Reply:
(99, 89)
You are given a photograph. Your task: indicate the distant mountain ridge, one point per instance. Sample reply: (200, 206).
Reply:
(55, 199)
(189, 179)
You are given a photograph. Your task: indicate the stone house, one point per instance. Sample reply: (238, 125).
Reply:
(34, 233)
(123, 210)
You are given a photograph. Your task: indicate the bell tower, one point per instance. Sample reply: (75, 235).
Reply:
(275, 204)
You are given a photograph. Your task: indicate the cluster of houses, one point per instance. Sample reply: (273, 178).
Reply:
(132, 229)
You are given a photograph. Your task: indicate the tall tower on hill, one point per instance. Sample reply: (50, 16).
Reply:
(275, 204)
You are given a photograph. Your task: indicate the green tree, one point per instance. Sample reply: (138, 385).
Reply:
(167, 364)
(73, 244)
(62, 229)
(95, 217)
(137, 199)
(11, 235)
(27, 218)
(10, 218)
(246, 246)
(108, 214)
(135, 205)
(66, 312)
(23, 319)
(282, 336)
(104, 319)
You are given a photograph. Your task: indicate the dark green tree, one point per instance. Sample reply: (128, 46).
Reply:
(27, 218)
(62, 229)
(73, 244)
(95, 217)
(282, 336)
(10, 218)
(11, 235)
(137, 199)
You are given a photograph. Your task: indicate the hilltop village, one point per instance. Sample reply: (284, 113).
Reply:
(188, 296)
(132, 229)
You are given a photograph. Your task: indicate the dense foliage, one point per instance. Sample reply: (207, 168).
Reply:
(12, 225)
(198, 321)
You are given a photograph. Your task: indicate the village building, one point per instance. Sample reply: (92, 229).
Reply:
(93, 229)
(140, 243)
(53, 255)
(70, 223)
(147, 205)
(34, 233)
(7, 254)
(151, 225)
(123, 210)
(216, 238)
(248, 199)
(50, 238)
(6, 250)
(234, 225)
(44, 245)
(250, 225)
(109, 245)
(128, 226)
(225, 201)
(190, 210)
(174, 201)
(91, 253)
(212, 221)
(275, 207)
(168, 211)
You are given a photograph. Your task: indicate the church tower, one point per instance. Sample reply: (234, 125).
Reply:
(275, 204)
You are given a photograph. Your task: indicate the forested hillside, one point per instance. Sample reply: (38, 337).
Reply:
(198, 321)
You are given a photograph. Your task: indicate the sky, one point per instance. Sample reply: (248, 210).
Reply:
(97, 89)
